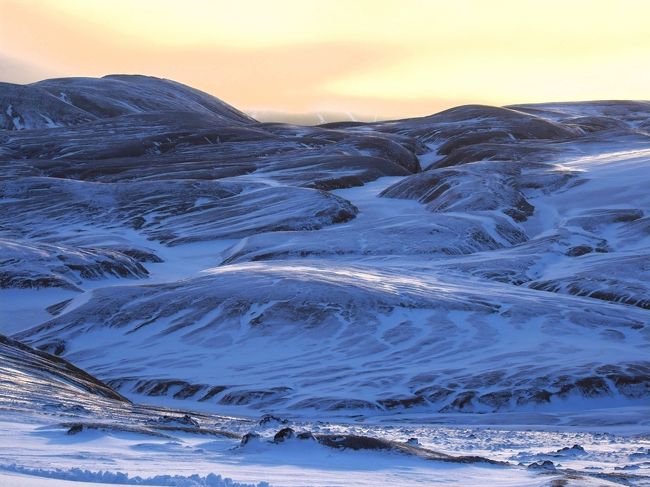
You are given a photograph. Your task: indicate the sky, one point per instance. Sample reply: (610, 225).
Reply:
(374, 58)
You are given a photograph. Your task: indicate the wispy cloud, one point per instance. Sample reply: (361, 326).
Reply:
(392, 58)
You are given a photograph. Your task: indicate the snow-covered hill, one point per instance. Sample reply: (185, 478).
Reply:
(59, 426)
(482, 259)
(71, 101)
(33, 379)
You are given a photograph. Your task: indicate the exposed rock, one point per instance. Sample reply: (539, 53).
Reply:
(463, 402)
(306, 435)
(283, 435)
(354, 442)
(269, 419)
(254, 396)
(185, 420)
(249, 438)
(573, 450)
(75, 428)
(543, 466)
(407, 402)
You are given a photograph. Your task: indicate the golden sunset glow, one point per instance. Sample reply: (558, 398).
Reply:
(385, 58)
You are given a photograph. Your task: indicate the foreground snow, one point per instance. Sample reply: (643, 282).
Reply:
(61, 424)
(38, 446)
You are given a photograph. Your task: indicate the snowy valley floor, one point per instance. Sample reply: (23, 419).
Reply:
(39, 446)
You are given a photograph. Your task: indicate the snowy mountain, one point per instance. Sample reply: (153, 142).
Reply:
(71, 101)
(482, 259)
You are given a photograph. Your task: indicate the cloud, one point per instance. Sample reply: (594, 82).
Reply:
(18, 71)
(390, 57)
(276, 76)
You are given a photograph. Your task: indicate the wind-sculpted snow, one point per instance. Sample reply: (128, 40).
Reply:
(168, 211)
(476, 260)
(72, 101)
(313, 334)
(25, 107)
(28, 264)
(35, 378)
(608, 114)
(619, 278)
(479, 186)
(403, 229)
(116, 95)
(166, 145)
(447, 235)
(473, 123)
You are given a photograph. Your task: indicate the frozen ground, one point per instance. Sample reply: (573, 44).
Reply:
(39, 446)
(477, 279)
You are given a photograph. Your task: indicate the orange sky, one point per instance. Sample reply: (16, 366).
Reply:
(371, 57)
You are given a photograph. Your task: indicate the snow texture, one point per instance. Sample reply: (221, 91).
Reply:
(491, 260)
